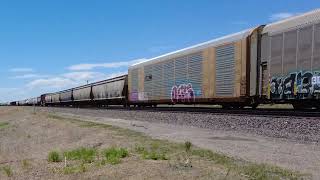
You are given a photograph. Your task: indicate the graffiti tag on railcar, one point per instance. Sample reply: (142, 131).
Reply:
(296, 85)
(182, 93)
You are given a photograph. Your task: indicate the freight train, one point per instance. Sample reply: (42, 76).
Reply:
(273, 63)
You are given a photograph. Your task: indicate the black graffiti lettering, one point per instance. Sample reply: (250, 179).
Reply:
(306, 84)
(289, 85)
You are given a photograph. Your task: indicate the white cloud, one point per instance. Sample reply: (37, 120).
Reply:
(89, 66)
(29, 76)
(56, 82)
(21, 70)
(86, 75)
(69, 80)
(39, 84)
(281, 16)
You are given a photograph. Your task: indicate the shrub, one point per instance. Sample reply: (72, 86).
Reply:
(54, 156)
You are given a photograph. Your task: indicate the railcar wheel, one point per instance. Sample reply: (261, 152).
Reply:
(302, 106)
(226, 107)
(238, 107)
(254, 106)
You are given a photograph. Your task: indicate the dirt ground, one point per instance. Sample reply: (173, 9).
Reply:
(26, 138)
(298, 156)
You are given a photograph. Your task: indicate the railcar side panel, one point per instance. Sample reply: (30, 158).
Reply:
(82, 94)
(209, 72)
(109, 90)
(48, 99)
(56, 98)
(66, 96)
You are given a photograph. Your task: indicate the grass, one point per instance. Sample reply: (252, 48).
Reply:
(113, 155)
(8, 171)
(252, 170)
(3, 125)
(54, 156)
(153, 152)
(187, 146)
(25, 164)
(75, 169)
(155, 149)
(87, 155)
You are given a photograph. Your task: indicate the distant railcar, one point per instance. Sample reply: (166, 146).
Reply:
(82, 95)
(38, 101)
(47, 99)
(111, 91)
(106, 92)
(66, 97)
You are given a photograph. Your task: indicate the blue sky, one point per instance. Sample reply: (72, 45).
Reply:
(47, 46)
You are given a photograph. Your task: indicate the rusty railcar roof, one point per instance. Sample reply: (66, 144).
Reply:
(294, 22)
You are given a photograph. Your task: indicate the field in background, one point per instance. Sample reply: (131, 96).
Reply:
(48, 146)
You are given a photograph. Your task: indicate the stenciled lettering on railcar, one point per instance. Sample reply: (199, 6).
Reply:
(297, 85)
(139, 96)
(182, 93)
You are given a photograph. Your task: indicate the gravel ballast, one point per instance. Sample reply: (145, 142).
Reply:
(291, 128)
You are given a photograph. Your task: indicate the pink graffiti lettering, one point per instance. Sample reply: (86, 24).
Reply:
(182, 93)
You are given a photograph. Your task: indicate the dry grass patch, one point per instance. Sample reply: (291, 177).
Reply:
(180, 155)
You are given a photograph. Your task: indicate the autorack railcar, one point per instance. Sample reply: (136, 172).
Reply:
(222, 71)
(291, 58)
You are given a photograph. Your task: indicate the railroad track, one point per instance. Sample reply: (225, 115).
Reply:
(259, 112)
(312, 113)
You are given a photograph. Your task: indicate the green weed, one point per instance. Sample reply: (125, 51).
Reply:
(3, 125)
(8, 171)
(113, 155)
(87, 155)
(54, 156)
(75, 169)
